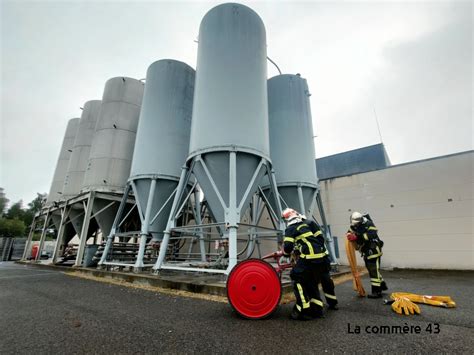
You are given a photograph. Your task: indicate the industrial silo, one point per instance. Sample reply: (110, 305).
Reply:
(163, 132)
(292, 147)
(56, 190)
(112, 146)
(229, 143)
(55, 195)
(111, 150)
(161, 146)
(78, 162)
(81, 149)
(291, 141)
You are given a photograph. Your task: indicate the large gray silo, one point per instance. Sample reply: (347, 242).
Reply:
(57, 187)
(112, 146)
(161, 146)
(163, 132)
(292, 147)
(56, 190)
(81, 149)
(230, 104)
(291, 141)
(53, 212)
(79, 160)
(229, 143)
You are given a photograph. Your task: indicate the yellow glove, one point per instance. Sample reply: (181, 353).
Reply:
(404, 305)
(440, 301)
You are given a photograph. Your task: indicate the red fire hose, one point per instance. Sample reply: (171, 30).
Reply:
(254, 286)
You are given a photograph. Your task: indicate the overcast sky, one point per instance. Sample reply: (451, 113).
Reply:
(407, 63)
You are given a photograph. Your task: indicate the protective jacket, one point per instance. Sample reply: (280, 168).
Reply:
(306, 240)
(368, 241)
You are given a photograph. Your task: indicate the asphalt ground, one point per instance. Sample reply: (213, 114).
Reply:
(45, 311)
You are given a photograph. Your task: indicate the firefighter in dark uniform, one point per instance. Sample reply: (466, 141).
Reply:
(326, 282)
(304, 239)
(364, 233)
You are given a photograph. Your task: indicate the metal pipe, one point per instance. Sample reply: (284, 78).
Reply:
(300, 200)
(271, 61)
(197, 218)
(232, 212)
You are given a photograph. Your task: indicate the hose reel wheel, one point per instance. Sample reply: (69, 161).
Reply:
(254, 289)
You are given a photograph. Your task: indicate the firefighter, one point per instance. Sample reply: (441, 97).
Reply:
(363, 231)
(304, 239)
(326, 282)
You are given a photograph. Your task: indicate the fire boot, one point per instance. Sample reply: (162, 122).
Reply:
(316, 311)
(297, 315)
(383, 286)
(376, 292)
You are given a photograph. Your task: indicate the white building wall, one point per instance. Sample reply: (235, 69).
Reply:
(424, 211)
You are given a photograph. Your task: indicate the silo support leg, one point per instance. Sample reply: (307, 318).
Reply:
(84, 230)
(30, 237)
(301, 200)
(232, 235)
(232, 213)
(163, 247)
(197, 216)
(253, 217)
(110, 237)
(183, 180)
(327, 234)
(274, 188)
(59, 239)
(108, 243)
(145, 227)
(43, 236)
(198, 231)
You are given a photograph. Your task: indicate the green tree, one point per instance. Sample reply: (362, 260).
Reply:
(37, 204)
(33, 207)
(16, 211)
(12, 227)
(3, 201)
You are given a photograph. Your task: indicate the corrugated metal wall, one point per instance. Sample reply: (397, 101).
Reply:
(423, 210)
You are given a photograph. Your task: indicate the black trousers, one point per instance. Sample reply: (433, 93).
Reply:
(305, 276)
(376, 280)
(328, 284)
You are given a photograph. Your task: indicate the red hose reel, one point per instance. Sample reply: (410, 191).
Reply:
(254, 287)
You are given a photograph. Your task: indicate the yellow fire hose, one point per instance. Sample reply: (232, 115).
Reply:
(404, 302)
(351, 256)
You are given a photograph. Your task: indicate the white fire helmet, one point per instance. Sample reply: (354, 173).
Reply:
(289, 213)
(356, 218)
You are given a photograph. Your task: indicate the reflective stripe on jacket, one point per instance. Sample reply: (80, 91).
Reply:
(306, 239)
(368, 239)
